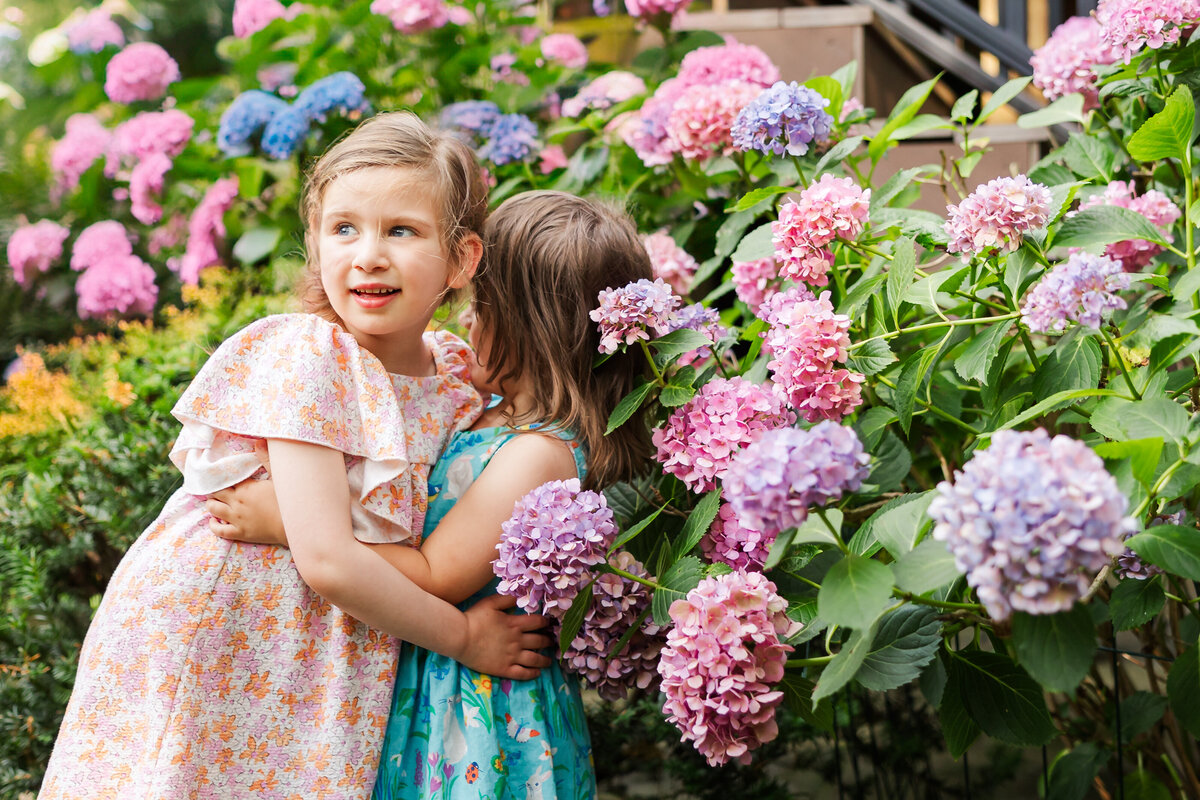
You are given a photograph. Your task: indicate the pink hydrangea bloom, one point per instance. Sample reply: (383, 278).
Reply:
(35, 247)
(723, 657)
(166, 236)
(94, 32)
(1135, 254)
(566, 49)
(1130, 25)
(806, 340)
(699, 438)
(204, 229)
(617, 602)
(85, 141)
(146, 181)
(603, 92)
(830, 208)
(413, 16)
(1063, 65)
(755, 281)
(97, 242)
(551, 158)
(670, 261)
(731, 541)
(646, 130)
(150, 132)
(732, 61)
(142, 71)
(251, 16)
(118, 284)
(995, 216)
(633, 312)
(700, 121)
(645, 9)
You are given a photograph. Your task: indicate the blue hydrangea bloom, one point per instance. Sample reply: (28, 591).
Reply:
(511, 137)
(342, 92)
(783, 119)
(284, 133)
(246, 115)
(474, 116)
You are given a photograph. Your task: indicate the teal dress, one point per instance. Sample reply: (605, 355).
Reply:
(456, 734)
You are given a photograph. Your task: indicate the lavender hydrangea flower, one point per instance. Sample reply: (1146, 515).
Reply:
(512, 137)
(707, 321)
(342, 92)
(633, 312)
(1081, 289)
(1031, 520)
(247, 114)
(785, 118)
(775, 479)
(730, 541)
(472, 116)
(557, 534)
(284, 133)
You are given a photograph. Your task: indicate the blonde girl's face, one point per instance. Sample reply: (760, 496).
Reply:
(383, 263)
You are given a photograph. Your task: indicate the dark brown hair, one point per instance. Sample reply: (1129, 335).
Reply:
(396, 139)
(546, 257)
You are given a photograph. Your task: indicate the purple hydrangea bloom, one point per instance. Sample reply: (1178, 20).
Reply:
(342, 92)
(284, 133)
(774, 480)
(512, 137)
(785, 118)
(473, 116)
(1130, 564)
(557, 534)
(1031, 520)
(247, 114)
(702, 320)
(1081, 289)
(635, 311)
(730, 541)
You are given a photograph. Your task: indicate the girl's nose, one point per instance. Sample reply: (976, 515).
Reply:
(369, 254)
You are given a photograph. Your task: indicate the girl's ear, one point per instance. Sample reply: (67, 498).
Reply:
(472, 252)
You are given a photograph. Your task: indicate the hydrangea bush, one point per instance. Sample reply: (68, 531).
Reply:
(892, 446)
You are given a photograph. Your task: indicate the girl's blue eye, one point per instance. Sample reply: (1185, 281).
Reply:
(343, 229)
(403, 230)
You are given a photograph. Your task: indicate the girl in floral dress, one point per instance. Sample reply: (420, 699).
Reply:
(453, 732)
(212, 669)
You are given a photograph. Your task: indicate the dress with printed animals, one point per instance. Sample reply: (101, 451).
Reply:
(211, 670)
(459, 735)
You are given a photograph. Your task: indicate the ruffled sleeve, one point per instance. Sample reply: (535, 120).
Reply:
(454, 357)
(298, 377)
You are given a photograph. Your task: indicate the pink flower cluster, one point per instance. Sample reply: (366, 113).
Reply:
(551, 158)
(995, 216)
(604, 92)
(566, 49)
(555, 537)
(723, 657)
(708, 66)
(114, 280)
(830, 208)
(1134, 254)
(94, 32)
(142, 71)
(145, 181)
(806, 340)
(1130, 25)
(413, 16)
(204, 229)
(84, 142)
(645, 9)
(97, 242)
(251, 16)
(670, 261)
(730, 540)
(755, 281)
(35, 247)
(617, 603)
(1063, 65)
(700, 438)
(633, 312)
(166, 132)
(700, 122)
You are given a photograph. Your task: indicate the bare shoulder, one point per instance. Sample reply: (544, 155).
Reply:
(543, 457)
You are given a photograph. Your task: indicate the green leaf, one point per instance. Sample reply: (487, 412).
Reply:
(900, 275)
(1187, 285)
(1052, 403)
(871, 357)
(628, 534)
(918, 125)
(845, 664)
(677, 342)
(893, 186)
(756, 244)
(1068, 108)
(898, 524)
(1169, 133)
(861, 293)
(976, 359)
(1143, 455)
(256, 244)
(912, 378)
(837, 154)
(1020, 267)
(1073, 772)
(1142, 785)
(892, 463)
(964, 106)
(1001, 96)
(729, 235)
(929, 566)
(870, 425)
(798, 696)
(854, 592)
(1135, 602)
(1056, 649)
(1174, 548)
(674, 394)
(1001, 698)
(698, 522)
(905, 109)
(1153, 417)
(1101, 225)
(905, 641)
(756, 196)
(1183, 690)
(1089, 157)
(628, 405)
(1073, 364)
(958, 727)
(1140, 712)
(573, 619)
(814, 529)
(679, 579)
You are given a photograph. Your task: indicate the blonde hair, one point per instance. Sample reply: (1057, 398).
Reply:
(396, 139)
(546, 257)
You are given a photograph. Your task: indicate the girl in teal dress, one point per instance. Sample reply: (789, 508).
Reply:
(454, 733)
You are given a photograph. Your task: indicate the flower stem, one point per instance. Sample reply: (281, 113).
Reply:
(926, 601)
(634, 578)
(953, 420)
(800, 172)
(809, 662)
(658, 376)
(837, 535)
(929, 326)
(1116, 354)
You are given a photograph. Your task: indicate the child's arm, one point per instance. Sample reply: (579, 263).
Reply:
(313, 494)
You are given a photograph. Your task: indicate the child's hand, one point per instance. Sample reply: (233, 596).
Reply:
(504, 645)
(247, 512)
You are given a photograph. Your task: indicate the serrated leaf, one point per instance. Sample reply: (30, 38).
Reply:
(729, 235)
(1056, 649)
(814, 530)
(837, 154)
(1019, 268)
(976, 359)
(1073, 772)
(1002, 96)
(1068, 108)
(871, 357)
(1101, 225)
(905, 641)
(673, 395)
(573, 619)
(798, 696)
(929, 566)
(898, 523)
(756, 196)
(900, 275)
(1143, 455)
(842, 669)
(870, 425)
(1183, 690)
(893, 186)
(1089, 157)
(892, 462)
(628, 405)
(1187, 285)
(1054, 402)
(628, 535)
(1135, 602)
(854, 592)
(1140, 712)
(958, 727)
(1001, 698)
(1153, 417)
(1074, 363)
(678, 342)
(678, 579)
(698, 522)
(1169, 133)
(755, 245)
(1172, 547)
(912, 378)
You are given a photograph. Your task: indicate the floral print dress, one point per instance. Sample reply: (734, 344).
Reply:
(211, 670)
(459, 735)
